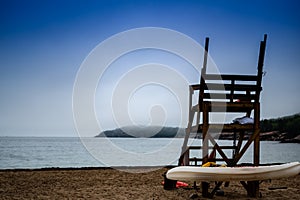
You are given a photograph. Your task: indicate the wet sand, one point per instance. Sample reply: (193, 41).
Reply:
(106, 183)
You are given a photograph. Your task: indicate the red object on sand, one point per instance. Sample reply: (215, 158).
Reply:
(179, 184)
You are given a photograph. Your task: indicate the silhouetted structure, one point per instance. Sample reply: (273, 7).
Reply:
(224, 93)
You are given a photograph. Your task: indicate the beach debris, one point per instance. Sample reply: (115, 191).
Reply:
(194, 196)
(278, 188)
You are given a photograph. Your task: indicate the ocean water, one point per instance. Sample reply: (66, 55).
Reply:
(47, 152)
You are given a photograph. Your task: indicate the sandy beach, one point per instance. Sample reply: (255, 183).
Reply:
(106, 183)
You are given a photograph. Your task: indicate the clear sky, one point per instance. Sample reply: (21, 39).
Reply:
(43, 43)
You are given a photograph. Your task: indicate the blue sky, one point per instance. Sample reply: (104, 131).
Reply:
(43, 43)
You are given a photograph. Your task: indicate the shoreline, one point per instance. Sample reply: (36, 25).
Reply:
(116, 167)
(85, 168)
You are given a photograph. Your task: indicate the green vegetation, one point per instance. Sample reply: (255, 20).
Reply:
(289, 125)
(144, 132)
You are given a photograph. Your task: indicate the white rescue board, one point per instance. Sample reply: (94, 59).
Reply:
(194, 173)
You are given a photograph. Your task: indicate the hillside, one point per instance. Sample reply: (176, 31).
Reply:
(289, 125)
(144, 132)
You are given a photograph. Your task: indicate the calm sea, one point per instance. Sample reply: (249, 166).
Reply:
(45, 152)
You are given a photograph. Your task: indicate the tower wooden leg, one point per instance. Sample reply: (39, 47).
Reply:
(253, 189)
(205, 187)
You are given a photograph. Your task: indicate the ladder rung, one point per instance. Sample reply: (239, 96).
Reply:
(200, 159)
(211, 147)
(225, 127)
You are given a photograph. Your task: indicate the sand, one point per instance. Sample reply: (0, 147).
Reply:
(106, 183)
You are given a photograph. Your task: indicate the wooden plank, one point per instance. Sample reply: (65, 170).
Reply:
(194, 159)
(235, 87)
(204, 133)
(184, 148)
(261, 63)
(220, 151)
(240, 142)
(246, 146)
(230, 77)
(224, 127)
(217, 187)
(203, 72)
(245, 185)
(210, 147)
(252, 188)
(256, 147)
(223, 96)
(186, 158)
(205, 55)
(195, 86)
(229, 105)
(218, 86)
(238, 107)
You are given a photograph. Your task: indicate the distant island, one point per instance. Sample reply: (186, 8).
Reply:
(144, 132)
(283, 129)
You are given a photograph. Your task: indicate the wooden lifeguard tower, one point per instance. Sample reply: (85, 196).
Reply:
(225, 93)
